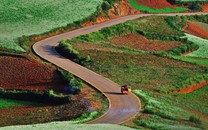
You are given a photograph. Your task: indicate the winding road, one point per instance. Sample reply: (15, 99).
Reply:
(121, 107)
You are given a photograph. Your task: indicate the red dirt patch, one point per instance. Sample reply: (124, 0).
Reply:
(140, 42)
(195, 30)
(20, 73)
(120, 8)
(191, 88)
(155, 4)
(204, 8)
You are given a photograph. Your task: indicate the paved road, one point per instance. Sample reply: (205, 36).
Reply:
(122, 107)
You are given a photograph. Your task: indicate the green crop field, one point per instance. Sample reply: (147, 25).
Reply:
(150, 10)
(9, 103)
(203, 46)
(23, 17)
(157, 25)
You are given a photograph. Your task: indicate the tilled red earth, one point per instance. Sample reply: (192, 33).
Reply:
(204, 8)
(20, 73)
(195, 30)
(156, 4)
(140, 42)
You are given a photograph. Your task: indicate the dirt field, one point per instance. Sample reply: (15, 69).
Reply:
(205, 8)
(196, 30)
(20, 73)
(156, 4)
(139, 42)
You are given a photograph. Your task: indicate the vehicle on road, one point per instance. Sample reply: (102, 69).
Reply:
(125, 89)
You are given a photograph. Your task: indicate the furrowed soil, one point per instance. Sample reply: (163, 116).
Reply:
(155, 4)
(140, 42)
(20, 73)
(196, 30)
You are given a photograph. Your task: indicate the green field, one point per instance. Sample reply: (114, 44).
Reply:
(150, 10)
(23, 17)
(157, 25)
(67, 126)
(202, 52)
(9, 103)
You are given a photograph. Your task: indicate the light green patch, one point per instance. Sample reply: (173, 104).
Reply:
(202, 52)
(67, 126)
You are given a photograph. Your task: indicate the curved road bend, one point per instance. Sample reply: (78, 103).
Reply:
(121, 107)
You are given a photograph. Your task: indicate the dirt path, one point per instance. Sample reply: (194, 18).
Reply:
(122, 107)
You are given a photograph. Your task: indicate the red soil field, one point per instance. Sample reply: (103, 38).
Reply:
(155, 4)
(140, 42)
(192, 88)
(205, 8)
(20, 73)
(195, 30)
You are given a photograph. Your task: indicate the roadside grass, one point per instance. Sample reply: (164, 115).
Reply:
(150, 10)
(157, 123)
(202, 52)
(162, 115)
(4, 103)
(20, 17)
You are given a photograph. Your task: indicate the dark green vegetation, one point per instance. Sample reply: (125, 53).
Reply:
(9, 103)
(185, 2)
(150, 10)
(66, 49)
(159, 73)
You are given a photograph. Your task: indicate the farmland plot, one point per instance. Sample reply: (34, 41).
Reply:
(202, 52)
(23, 17)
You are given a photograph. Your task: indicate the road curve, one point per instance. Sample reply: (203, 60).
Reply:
(121, 107)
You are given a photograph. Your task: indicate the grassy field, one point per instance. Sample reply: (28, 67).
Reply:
(23, 17)
(67, 125)
(150, 10)
(202, 52)
(157, 25)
